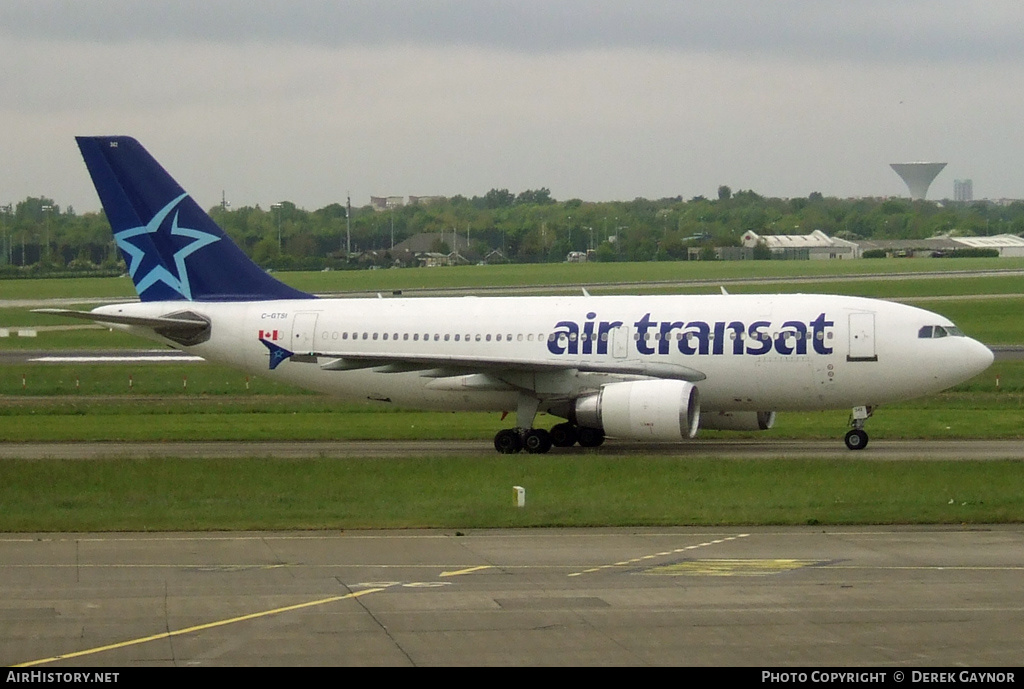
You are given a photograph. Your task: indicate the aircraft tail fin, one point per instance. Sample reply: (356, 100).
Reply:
(174, 250)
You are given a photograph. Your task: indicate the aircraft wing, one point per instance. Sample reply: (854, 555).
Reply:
(435, 365)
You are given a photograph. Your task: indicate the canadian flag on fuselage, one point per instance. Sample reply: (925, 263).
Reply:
(271, 335)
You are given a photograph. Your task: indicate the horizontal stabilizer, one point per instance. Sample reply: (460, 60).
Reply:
(185, 328)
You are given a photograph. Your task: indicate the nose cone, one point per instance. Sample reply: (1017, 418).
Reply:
(979, 357)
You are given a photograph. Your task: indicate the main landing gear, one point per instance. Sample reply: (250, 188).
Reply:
(857, 438)
(538, 441)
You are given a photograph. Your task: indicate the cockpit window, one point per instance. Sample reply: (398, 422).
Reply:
(930, 332)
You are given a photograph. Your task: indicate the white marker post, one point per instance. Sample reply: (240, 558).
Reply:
(520, 496)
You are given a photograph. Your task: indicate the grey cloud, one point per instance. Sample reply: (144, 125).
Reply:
(867, 30)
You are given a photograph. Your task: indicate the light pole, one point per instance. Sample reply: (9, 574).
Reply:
(47, 210)
(277, 207)
(7, 249)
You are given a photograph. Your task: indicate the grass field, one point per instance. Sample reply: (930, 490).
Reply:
(459, 492)
(554, 274)
(202, 401)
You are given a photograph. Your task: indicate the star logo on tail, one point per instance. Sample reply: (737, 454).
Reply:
(155, 233)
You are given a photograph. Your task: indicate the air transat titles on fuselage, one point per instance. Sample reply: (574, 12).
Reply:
(695, 337)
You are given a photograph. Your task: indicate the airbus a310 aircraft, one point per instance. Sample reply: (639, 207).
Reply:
(644, 368)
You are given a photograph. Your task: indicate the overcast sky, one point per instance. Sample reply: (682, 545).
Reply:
(594, 99)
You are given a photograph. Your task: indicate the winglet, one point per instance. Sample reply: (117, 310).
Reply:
(278, 354)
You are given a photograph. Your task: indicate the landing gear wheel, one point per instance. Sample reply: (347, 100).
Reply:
(537, 441)
(591, 437)
(564, 435)
(507, 441)
(856, 439)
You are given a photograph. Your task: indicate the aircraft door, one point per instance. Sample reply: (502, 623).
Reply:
(862, 337)
(620, 342)
(303, 339)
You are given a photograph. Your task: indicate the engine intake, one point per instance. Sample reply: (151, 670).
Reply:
(666, 410)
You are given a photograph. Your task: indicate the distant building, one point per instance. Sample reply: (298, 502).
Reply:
(427, 249)
(813, 246)
(1008, 245)
(425, 200)
(963, 190)
(384, 203)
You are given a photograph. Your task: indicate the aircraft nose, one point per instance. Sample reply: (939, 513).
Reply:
(980, 357)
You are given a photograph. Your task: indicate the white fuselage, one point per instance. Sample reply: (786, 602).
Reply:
(760, 352)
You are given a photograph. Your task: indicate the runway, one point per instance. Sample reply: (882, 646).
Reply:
(824, 449)
(877, 450)
(879, 597)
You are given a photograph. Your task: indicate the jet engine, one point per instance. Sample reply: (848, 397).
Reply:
(666, 410)
(738, 420)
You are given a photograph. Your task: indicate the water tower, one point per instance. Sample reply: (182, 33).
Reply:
(918, 176)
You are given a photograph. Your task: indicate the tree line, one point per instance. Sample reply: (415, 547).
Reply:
(38, 236)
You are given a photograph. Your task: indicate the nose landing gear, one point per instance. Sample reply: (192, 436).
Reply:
(857, 438)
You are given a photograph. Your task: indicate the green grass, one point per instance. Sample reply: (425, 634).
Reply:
(528, 274)
(476, 492)
(216, 405)
(94, 402)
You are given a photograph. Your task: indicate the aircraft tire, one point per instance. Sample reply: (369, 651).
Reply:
(591, 437)
(564, 435)
(537, 441)
(856, 439)
(507, 441)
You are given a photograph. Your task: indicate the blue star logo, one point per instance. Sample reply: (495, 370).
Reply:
(136, 254)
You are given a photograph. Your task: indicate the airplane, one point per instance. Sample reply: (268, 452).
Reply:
(639, 368)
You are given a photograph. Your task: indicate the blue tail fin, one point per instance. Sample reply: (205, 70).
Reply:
(174, 250)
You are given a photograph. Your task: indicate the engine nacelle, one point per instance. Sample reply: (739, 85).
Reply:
(738, 420)
(667, 410)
